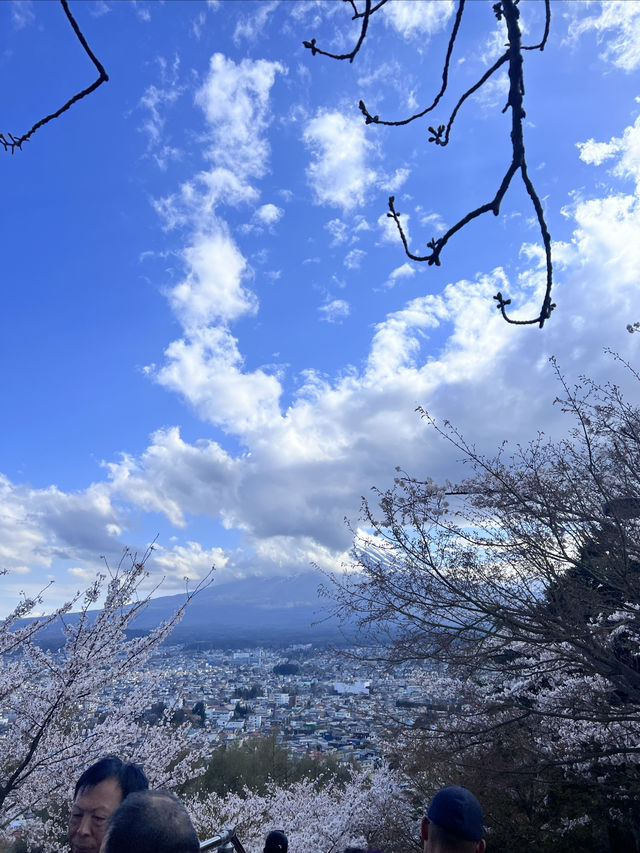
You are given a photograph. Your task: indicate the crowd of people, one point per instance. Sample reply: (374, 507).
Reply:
(115, 811)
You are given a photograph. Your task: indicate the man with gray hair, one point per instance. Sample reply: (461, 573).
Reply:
(150, 822)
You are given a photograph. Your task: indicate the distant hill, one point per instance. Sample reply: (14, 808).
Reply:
(251, 611)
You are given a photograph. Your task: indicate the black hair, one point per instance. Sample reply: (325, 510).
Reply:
(151, 822)
(130, 777)
(450, 841)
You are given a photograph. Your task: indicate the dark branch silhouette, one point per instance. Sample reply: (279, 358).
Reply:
(365, 15)
(513, 57)
(11, 142)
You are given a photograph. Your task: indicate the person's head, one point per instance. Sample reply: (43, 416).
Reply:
(150, 822)
(276, 842)
(98, 793)
(453, 823)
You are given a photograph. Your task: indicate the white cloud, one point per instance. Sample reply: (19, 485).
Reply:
(154, 103)
(287, 554)
(597, 152)
(494, 45)
(618, 24)
(418, 20)
(339, 231)
(142, 11)
(41, 526)
(269, 214)
(176, 478)
(354, 258)
(190, 561)
(99, 8)
(334, 311)
(389, 229)
(432, 219)
(494, 93)
(249, 27)
(304, 470)
(299, 471)
(397, 340)
(340, 172)
(235, 101)
(205, 365)
(393, 183)
(626, 150)
(407, 270)
(212, 290)
(206, 368)
(85, 575)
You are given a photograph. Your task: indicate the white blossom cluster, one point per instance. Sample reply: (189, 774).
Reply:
(371, 807)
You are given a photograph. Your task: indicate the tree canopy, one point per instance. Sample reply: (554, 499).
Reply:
(521, 586)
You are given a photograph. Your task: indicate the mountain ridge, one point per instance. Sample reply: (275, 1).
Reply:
(249, 611)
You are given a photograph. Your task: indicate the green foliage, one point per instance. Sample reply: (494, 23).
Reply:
(247, 692)
(232, 768)
(198, 710)
(286, 669)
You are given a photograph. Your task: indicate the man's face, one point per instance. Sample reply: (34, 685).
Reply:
(89, 814)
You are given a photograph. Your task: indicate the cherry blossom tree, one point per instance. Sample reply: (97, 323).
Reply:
(65, 708)
(371, 810)
(521, 587)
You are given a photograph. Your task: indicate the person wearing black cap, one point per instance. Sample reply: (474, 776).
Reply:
(276, 842)
(453, 823)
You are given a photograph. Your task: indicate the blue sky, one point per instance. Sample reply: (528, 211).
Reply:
(209, 331)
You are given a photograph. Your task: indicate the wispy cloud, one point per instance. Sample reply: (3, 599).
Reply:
(418, 20)
(22, 13)
(334, 311)
(618, 23)
(249, 27)
(354, 258)
(407, 270)
(154, 104)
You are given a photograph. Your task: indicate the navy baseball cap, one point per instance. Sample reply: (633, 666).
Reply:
(456, 809)
(276, 842)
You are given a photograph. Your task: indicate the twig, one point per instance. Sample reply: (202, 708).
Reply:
(11, 142)
(513, 55)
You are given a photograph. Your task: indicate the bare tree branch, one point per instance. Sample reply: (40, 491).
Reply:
(440, 135)
(445, 77)
(365, 15)
(11, 142)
